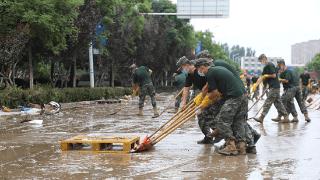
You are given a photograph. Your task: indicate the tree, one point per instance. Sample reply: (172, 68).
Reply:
(49, 23)
(315, 63)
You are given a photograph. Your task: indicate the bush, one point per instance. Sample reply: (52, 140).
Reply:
(13, 97)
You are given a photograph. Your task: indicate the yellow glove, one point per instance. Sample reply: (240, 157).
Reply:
(205, 102)
(254, 87)
(135, 91)
(265, 76)
(198, 99)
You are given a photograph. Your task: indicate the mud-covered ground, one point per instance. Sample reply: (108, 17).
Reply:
(32, 151)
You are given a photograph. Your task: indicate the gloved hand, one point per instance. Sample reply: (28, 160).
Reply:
(254, 87)
(135, 91)
(198, 99)
(266, 76)
(205, 102)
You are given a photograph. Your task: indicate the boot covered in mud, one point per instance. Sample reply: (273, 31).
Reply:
(295, 119)
(259, 119)
(230, 149)
(140, 113)
(155, 112)
(251, 150)
(306, 117)
(277, 119)
(285, 119)
(242, 148)
(205, 140)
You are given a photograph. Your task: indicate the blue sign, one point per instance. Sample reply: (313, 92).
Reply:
(198, 48)
(100, 28)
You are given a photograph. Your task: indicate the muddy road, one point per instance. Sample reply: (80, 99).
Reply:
(32, 151)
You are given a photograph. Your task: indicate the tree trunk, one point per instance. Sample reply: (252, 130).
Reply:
(30, 67)
(53, 83)
(112, 74)
(74, 60)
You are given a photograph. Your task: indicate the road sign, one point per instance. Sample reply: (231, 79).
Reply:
(187, 9)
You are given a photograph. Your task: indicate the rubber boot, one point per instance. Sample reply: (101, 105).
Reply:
(242, 148)
(306, 117)
(295, 119)
(155, 112)
(260, 119)
(277, 119)
(140, 112)
(205, 140)
(285, 119)
(230, 149)
(251, 149)
(256, 137)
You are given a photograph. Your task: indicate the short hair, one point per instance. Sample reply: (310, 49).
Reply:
(262, 56)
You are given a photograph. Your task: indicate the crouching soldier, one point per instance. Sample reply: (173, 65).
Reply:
(231, 119)
(142, 80)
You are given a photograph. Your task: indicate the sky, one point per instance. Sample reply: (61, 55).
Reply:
(268, 26)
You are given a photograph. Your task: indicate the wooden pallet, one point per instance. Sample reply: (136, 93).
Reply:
(107, 144)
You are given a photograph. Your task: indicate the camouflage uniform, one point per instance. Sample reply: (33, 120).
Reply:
(298, 96)
(305, 92)
(147, 89)
(231, 118)
(287, 100)
(206, 119)
(273, 96)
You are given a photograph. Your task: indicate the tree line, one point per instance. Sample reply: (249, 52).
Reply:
(46, 41)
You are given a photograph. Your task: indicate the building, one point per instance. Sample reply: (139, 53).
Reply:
(304, 52)
(253, 66)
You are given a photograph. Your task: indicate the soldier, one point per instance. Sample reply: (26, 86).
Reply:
(207, 117)
(198, 82)
(142, 81)
(287, 79)
(270, 76)
(179, 82)
(305, 81)
(293, 80)
(231, 119)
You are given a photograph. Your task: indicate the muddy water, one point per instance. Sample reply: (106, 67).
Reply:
(31, 151)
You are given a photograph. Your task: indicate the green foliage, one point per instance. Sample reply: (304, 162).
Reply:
(315, 63)
(14, 96)
(217, 51)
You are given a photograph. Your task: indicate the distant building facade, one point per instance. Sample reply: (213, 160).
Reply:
(304, 52)
(253, 66)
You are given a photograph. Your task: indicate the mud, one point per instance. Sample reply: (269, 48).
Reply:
(31, 150)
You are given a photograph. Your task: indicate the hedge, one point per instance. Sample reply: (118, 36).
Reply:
(13, 97)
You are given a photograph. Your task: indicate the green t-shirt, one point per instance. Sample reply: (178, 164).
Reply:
(288, 75)
(221, 79)
(224, 64)
(180, 80)
(271, 69)
(141, 76)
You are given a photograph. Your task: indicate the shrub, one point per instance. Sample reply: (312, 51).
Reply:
(13, 97)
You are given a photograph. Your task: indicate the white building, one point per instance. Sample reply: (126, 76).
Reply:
(253, 65)
(304, 52)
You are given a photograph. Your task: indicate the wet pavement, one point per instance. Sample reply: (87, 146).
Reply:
(32, 151)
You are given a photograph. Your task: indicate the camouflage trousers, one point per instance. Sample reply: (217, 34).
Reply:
(299, 99)
(206, 119)
(288, 101)
(145, 90)
(231, 119)
(273, 97)
(305, 92)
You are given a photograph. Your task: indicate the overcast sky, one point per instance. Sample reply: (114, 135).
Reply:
(268, 26)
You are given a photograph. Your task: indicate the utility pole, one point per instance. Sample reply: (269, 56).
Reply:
(91, 70)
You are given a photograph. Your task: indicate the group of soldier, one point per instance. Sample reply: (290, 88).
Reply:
(222, 98)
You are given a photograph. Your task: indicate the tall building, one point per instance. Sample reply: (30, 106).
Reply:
(304, 52)
(253, 66)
